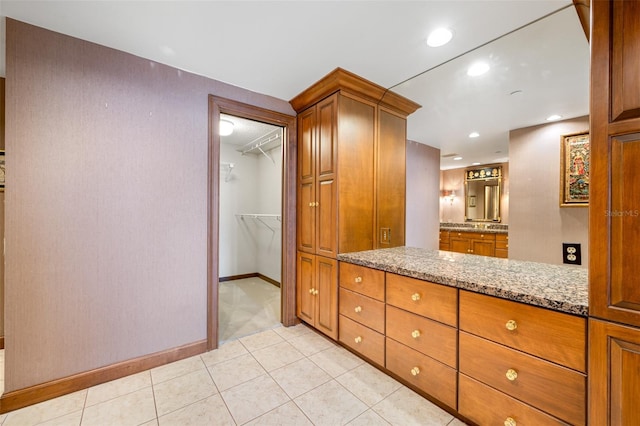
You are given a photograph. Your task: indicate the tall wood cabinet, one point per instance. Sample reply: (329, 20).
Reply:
(614, 214)
(351, 180)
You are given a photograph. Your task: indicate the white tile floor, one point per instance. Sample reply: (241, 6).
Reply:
(282, 376)
(246, 306)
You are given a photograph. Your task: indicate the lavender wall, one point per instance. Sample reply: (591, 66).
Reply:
(538, 225)
(106, 206)
(423, 181)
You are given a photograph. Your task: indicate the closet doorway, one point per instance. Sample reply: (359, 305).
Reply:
(250, 223)
(251, 219)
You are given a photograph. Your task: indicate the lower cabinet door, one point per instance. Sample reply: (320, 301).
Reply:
(614, 374)
(425, 373)
(305, 283)
(326, 294)
(362, 340)
(484, 405)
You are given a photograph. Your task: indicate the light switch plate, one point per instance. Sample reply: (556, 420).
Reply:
(385, 235)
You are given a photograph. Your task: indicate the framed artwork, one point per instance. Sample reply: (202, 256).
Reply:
(575, 162)
(472, 200)
(2, 170)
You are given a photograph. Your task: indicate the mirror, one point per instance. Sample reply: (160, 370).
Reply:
(482, 194)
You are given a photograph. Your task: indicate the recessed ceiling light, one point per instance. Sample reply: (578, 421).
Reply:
(226, 128)
(554, 117)
(475, 164)
(457, 158)
(477, 69)
(439, 37)
(474, 134)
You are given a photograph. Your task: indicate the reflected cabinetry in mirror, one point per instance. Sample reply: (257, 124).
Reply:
(473, 242)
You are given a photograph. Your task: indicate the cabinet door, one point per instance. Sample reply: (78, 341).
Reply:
(614, 374)
(326, 296)
(326, 185)
(305, 299)
(614, 219)
(483, 248)
(306, 181)
(459, 244)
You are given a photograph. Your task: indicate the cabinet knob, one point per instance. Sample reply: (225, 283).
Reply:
(315, 292)
(415, 371)
(511, 325)
(415, 297)
(415, 334)
(512, 374)
(311, 290)
(358, 309)
(310, 204)
(358, 279)
(481, 235)
(510, 421)
(358, 339)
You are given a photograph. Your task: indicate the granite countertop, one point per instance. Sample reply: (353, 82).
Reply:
(558, 287)
(476, 230)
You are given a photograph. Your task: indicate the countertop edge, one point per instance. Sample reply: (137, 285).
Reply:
(529, 299)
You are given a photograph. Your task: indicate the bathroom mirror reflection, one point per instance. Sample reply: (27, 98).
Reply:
(482, 194)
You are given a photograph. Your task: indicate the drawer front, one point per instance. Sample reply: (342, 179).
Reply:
(502, 238)
(363, 280)
(502, 253)
(474, 235)
(434, 301)
(423, 372)
(556, 390)
(432, 338)
(484, 405)
(362, 340)
(502, 243)
(551, 335)
(363, 309)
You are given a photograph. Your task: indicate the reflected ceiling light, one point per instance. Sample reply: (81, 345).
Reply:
(439, 37)
(477, 69)
(457, 158)
(474, 134)
(226, 128)
(554, 117)
(475, 164)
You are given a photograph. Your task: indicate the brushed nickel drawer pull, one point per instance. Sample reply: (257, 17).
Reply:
(415, 371)
(358, 279)
(358, 339)
(415, 334)
(358, 309)
(510, 421)
(512, 374)
(511, 325)
(415, 297)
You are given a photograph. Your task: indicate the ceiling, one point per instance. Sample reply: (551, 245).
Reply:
(279, 48)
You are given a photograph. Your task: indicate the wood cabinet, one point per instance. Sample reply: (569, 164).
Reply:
(422, 341)
(362, 319)
(614, 219)
(351, 170)
(480, 243)
(532, 354)
(317, 292)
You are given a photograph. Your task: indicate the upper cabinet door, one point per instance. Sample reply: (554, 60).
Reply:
(614, 214)
(306, 180)
(326, 176)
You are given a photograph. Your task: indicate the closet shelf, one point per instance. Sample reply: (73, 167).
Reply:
(263, 144)
(259, 217)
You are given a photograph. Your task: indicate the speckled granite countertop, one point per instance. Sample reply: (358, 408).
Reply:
(476, 230)
(557, 287)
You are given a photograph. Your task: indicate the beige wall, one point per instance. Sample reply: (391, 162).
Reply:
(106, 213)
(538, 225)
(423, 181)
(453, 179)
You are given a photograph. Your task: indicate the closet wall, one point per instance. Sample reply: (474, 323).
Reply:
(254, 186)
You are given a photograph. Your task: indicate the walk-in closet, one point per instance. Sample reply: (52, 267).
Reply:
(250, 250)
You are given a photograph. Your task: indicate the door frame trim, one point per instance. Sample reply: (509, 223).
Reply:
(217, 106)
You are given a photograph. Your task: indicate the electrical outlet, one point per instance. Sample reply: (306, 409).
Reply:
(385, 235)
(571, 253)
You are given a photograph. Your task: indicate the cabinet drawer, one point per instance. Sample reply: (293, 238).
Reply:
(556, 390)
(362, 340)
(474, 235)
(432, 338)
(502, 243)
(363, 280)
(502, 238)
(502, 253)
(363, 309)
(423, 372)
(430, 300)
(551, 335)
(484, 405)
